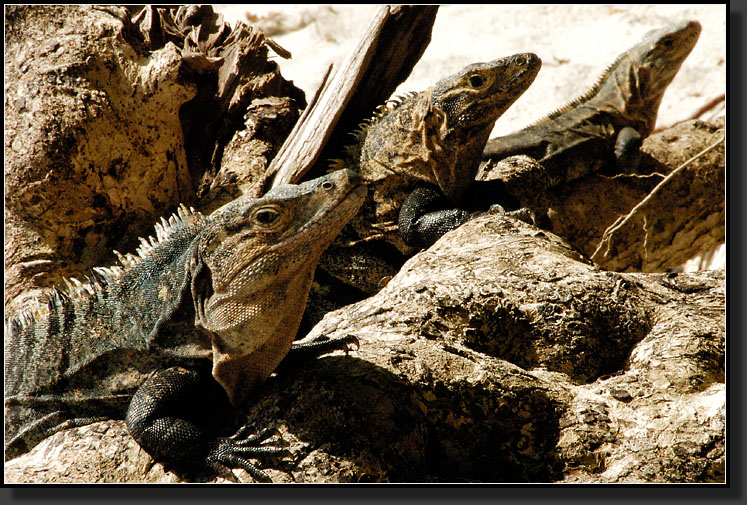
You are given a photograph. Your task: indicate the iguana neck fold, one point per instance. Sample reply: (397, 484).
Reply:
(437, 135)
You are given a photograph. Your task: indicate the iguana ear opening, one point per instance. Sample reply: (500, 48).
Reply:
(174, 333)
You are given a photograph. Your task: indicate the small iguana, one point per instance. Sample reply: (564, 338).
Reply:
(182, 332)
(608, 123)
(432, 141)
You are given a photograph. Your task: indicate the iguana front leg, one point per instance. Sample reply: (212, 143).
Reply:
(304, 351)
(321, 345)
(175, 415)
(425, 216)
(628, 149)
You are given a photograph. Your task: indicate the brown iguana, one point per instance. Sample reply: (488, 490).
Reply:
(608, 123)
(429, 140)
(182, 332)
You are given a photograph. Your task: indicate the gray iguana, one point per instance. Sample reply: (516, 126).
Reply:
(181, 332)
(430, 141)
(607, 123)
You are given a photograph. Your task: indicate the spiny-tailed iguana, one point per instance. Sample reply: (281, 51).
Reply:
(434, 140)
(608, 123)
(196, 320)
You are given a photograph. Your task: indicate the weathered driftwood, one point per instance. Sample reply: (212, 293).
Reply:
(384, 57)
(637, 222)
(497, 355)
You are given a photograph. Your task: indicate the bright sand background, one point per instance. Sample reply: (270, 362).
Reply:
(575, 42)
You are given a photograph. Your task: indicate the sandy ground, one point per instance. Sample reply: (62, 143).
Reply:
(575, 42)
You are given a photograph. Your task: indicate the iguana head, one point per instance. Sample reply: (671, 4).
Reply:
(437, 135)
(453, 119)
(658, 58)
(254, 266)
(475, 97)
(465, 107)
(635, 82)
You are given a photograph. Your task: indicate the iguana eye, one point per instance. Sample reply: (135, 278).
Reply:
(326, 185)
(266, 216)
(477, 81)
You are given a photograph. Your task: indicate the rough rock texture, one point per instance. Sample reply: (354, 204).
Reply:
(500, 355)
(99, 452)
(638, 400)
(99, 138)
(667, 225)
(496, 355)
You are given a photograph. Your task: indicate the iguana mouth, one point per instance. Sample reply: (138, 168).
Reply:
(356, 193)
(529, 64)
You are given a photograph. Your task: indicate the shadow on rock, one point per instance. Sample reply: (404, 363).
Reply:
(383, 426)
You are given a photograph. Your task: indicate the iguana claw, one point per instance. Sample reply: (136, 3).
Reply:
(323, 345)
(233, 452)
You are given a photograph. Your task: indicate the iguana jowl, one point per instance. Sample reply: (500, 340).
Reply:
(609, 122)
(199, 317)
(431, 139)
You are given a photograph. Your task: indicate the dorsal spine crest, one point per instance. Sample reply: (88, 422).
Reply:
(100, 277)
(590, 93)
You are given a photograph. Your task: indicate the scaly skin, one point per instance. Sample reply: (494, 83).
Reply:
(188, 327)
(608, 123)
(429, 139)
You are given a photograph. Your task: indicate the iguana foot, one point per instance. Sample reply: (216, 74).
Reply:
(233, 452)
(426, 215)
(323, 345)
(164, 420)
(628, 150)
(304, 351)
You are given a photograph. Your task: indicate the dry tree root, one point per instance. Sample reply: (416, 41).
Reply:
(639, 209)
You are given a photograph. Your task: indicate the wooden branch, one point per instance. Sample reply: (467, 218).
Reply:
(384, 58)
(673, 214)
